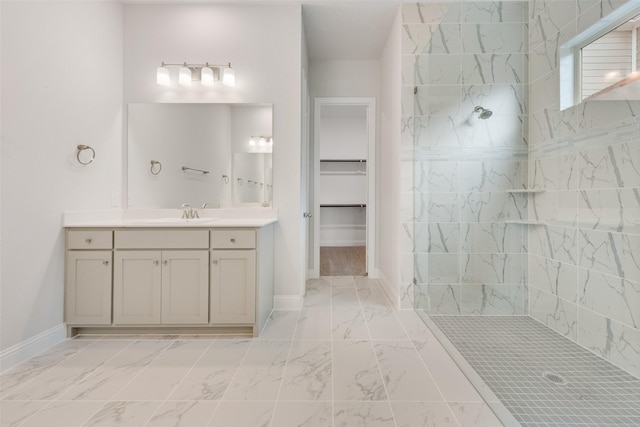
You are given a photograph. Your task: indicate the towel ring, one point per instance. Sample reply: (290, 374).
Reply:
(225, 179)
(240, 181)
(153, 165)
(81, 148)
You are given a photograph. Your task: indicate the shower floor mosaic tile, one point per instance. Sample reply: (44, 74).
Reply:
(514, 354)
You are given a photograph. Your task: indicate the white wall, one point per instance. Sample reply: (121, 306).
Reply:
(344, 137)
(389, 171)
(61, 86)
(344, 78)
(263, 44)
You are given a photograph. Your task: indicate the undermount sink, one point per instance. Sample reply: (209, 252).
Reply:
(174, 221)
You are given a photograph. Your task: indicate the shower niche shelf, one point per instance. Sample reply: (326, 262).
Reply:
(525, 222)
(525, 190)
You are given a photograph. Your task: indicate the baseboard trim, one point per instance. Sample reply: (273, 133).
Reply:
(287, 302)
(26, 349)
(389, 290)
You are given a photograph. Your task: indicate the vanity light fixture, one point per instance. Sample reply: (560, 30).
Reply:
(229, 76)
(207, 74)
(163, 78)
(260, 140)
(184, 75)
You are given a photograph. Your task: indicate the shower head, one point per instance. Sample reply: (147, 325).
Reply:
(483, 113)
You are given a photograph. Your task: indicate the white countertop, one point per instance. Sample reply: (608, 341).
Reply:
(170, 218)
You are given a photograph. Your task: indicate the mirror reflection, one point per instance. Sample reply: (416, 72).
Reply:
(218, 154)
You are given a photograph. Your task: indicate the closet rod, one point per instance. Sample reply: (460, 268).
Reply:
(343, 161)
(344, 206)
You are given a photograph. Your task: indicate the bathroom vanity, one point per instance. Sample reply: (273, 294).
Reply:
(166, 275)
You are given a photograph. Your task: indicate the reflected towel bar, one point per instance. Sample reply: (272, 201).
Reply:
(184, 168)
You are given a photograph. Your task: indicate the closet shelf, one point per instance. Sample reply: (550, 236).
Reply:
(343, 160)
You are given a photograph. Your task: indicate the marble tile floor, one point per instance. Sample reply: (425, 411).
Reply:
(345, 359)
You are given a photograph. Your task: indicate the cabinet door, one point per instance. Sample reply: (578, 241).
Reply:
(233, 286)
(137, 287)
(185, 290)
(88, 288)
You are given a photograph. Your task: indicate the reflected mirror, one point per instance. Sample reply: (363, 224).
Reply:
(218, 154)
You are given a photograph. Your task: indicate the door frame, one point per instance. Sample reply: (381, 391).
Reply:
(370, 104)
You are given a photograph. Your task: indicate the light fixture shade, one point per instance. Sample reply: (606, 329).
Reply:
(184, 76)
(162, 76)
(252, 141)
(206, 76)
(229, 77)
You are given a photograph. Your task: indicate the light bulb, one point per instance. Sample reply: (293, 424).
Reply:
(184, 76)
(229, 77)
(262, 140)
(162, 76)
(206, 76)
(252, 141)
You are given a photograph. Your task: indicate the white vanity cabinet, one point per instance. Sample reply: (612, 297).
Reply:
(233, 276)
(153, 285)
(169, 279)
(88, 277)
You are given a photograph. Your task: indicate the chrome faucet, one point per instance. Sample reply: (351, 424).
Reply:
(189, 212)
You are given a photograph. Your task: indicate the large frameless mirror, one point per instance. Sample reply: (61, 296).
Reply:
(218, 154)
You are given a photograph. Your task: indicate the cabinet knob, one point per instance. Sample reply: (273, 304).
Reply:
(156, 262)
(88, 240)
(105, 262)
(165, 262)
(215, 262)
(232, 240)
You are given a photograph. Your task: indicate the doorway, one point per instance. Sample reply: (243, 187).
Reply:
(344, 186)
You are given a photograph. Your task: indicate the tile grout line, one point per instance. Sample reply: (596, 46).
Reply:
(53, 401)
(110, 400)
(181, 380)
(284, 371)
(91, 343)
(425, 365)
(375, 355)
(222, 399)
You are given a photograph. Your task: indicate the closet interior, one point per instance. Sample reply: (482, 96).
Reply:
(343, 195)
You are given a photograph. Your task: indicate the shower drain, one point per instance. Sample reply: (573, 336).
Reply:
(554, 378)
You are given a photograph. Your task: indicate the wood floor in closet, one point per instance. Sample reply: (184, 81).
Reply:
(343, 260)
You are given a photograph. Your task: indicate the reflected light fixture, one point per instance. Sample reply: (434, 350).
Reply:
(207, 74)
(260, 140)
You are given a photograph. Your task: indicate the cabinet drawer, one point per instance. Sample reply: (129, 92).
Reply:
(89, 239)
(233, 239)
(162, 239)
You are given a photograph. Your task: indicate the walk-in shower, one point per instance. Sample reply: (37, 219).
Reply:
(523, 228)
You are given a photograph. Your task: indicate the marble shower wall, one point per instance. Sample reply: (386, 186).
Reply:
(460, 255)
(585, 263)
